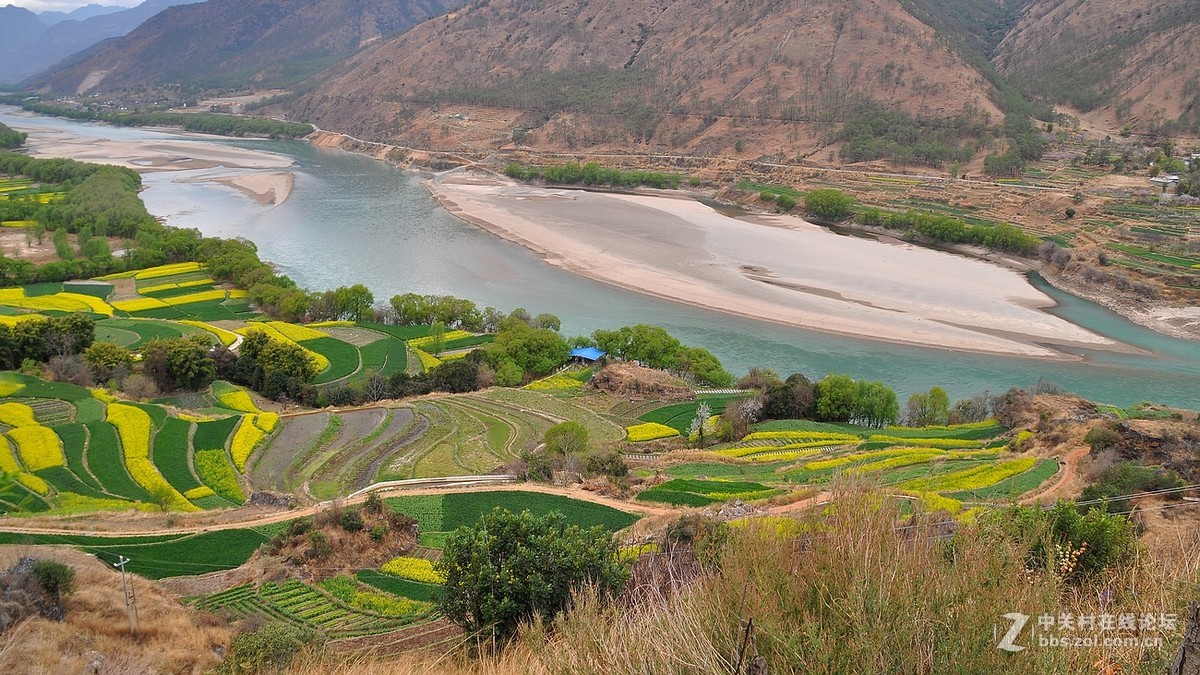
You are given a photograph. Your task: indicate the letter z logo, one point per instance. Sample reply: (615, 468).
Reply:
(1007, 643)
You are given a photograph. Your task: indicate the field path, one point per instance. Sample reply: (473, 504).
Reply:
(1065, 477)
(256, 516)
(264, 517)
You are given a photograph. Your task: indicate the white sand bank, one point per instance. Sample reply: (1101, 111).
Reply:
(777, 268)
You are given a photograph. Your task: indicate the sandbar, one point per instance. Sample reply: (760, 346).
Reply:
(775, 268)
(263, 176)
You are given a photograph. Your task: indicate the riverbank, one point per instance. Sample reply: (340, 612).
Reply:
(263, 176)
(775, 268)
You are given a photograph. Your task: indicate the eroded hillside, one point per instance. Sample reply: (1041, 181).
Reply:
(731, 78)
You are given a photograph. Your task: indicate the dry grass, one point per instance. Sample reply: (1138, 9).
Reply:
(172, 638)
(852, 595)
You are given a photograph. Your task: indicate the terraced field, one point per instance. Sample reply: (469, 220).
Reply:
(306, 606)
(65, 450)
(960, 465)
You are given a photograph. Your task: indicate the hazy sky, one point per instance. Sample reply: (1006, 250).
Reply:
(66, 5)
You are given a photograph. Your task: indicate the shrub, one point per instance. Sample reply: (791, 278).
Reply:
(351, 520)
(1101, 438)
(510, 568)
(56, 578)
(268, 649)
(785, 203)
(566, 438)
(828, 203)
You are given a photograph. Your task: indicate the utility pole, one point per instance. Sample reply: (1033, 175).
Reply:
(130, 601)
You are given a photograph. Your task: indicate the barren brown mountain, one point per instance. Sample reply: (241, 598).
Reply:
(222, 42)
(1114, 62)
(689, 76)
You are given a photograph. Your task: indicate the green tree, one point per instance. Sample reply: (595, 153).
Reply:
(875, 404)
(836, 396)
(105, 357)
(566, 438)
(436, 338)
(510, 567)
(56, 578)
(353, 302)
(190, 364)
(534, 350)
(828, 203)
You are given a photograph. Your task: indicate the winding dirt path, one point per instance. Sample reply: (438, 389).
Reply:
(1066, 476)
(258, 519)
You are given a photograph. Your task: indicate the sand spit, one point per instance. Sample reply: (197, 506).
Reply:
(776, 268)
(260, 175)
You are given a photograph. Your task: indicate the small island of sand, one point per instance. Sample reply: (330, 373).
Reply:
(775, 268)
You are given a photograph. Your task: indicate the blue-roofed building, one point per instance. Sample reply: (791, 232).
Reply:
(590, 354)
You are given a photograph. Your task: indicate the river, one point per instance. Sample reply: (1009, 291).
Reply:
(351, 219)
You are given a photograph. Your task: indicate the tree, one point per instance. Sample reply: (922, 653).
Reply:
(534, 350)
(828, 203)
(835, 398)
(54, 577)
(436, 339)
(353, 302)
(104, 358)
(509, 568)
(794, 398)
(566, 438)
(189, 362)
(696, 428)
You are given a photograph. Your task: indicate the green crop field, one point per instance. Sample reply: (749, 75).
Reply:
(343, 358)
(85, 468)
(680, 415)
(160, 557)
(695, 492)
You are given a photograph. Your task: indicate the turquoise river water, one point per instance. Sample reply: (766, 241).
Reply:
(351, 219)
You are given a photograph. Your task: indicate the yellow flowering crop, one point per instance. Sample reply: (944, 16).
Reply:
(102, 394)
(558, 381)
(245, 440)
(446, 337)
(649, 431)
(8, 387)
(225, 336)
(295, 332)
(330, 324)
(319, 362)
(238, 400)
(413, 569)
(198, 492)
(266, 421)
(168, 270)
(927, 442)
(139, 304)
(202, 296)
(11, 320)
(17, 415)
(802, 436)
(34, 483)
(428, 361)
(974, 478)
(133, 426)
(8, 461)
(39, 447)
(64, 302)
(146, 290)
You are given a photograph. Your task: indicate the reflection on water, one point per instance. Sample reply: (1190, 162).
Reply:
(351, 219)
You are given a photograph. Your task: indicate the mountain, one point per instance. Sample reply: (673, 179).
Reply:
(49, 45)
(1114, 63)
(51, 17)
(223, 42)
(689, 75)
(18, 27)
